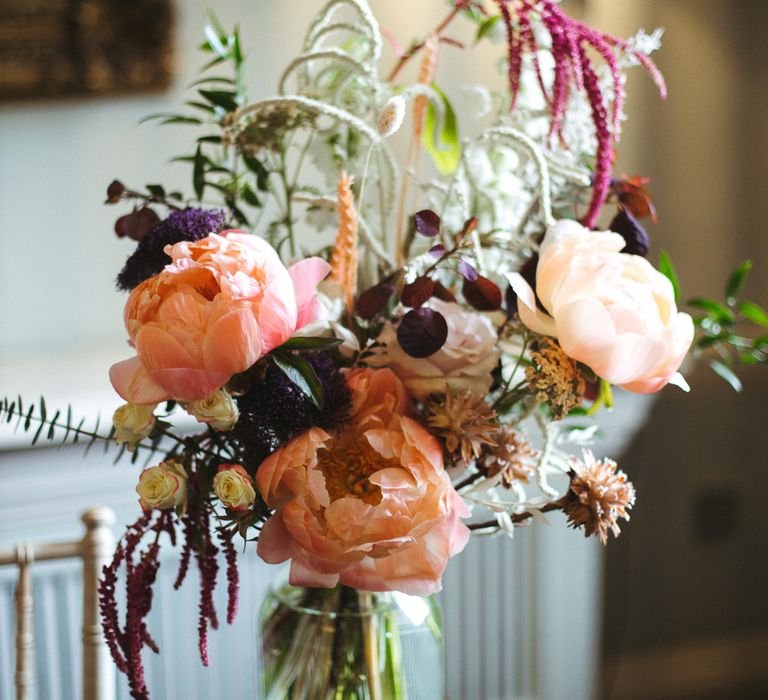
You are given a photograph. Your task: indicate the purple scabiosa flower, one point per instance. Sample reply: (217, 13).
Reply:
(274, 410)
(149, 258)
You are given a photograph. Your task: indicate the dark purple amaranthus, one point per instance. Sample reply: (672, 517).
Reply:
(571, 41)
(149, 258)
(126, 642)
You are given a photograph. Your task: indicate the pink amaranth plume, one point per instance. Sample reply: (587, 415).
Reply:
(570, 40)
(127, 641)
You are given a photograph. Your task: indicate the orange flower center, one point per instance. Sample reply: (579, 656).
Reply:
(347, 466)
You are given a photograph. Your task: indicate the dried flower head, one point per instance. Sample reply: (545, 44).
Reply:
(555, 378)
(344, 258)
(512, 455)
(599, 495)
(391, 116)
(268, 127)
(464, 421)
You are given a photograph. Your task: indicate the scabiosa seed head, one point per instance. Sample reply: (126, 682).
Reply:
(599, 495)
(463, 420)
(149, 258)
(512, 456)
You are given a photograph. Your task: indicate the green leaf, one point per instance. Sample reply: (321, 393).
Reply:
(258, 168)
(209, 139)
(736, 281)
(486, 26)
(753, 312)
(719, 311)
(237, 51)
(156, 191)
(211, 79)
(249, 196)
(309, 343)
(443, 147)
(215, 42)
(181, 119)
(726, 373)
(226, 99)
(302, 374)
(668, 270)
(198, 174)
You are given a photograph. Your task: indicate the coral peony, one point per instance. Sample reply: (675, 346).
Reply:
(612, 311)
(221, 304)
(371, 507)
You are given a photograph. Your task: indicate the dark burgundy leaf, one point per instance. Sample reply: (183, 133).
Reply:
(373, 300)
(443, 293)
(114, 191)
(137, 224)
(422, 332)
(427, 223)
(467, 271)
(437, 251)
(417, 292)
(482, 294)
(636, 237)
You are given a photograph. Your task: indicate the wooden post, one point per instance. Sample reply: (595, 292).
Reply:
(97, 548)
(25, 641)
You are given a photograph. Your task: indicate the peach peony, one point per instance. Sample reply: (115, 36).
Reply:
(371, 507)
(221, 304)
(612, 311)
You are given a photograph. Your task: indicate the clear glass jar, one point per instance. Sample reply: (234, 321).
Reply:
(345, 644)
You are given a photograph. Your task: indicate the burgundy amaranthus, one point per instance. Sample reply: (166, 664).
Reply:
(571, 40)
(127, 641)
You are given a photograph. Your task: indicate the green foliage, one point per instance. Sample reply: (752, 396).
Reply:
(668, 270)
(302, 374)
(60, 429)
(717, 325)
(443, 144)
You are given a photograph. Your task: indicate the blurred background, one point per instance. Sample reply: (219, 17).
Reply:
(674, 609)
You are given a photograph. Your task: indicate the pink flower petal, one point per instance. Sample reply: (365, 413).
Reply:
(233, 342)
(306, 275)
(132, 381)
(530, 315)
(275, 545)
(189, 384)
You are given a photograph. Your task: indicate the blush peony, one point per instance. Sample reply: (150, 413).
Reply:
(609, 310)
(465, 361)
(371, 507)
(221, 304)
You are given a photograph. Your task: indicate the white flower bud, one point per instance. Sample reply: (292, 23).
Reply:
(218, 410)
(391, 116)
(163, 486)
(234, 487)
(133, 422)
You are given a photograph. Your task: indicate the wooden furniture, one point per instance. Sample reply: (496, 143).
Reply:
(94, 549)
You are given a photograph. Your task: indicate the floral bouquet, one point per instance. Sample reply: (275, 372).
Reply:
(373, 393)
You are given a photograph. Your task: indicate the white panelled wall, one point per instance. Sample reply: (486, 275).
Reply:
(521, 616)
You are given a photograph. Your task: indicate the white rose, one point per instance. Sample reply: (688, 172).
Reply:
(218, 410)
(163, 486)
(133, 422)
(465, 361)
(234, 487)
